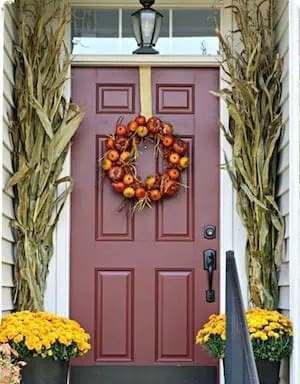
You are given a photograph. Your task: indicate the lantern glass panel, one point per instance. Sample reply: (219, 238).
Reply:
(137, 28)
(148, 18)
(129, 43)
(158, 24)
(127, 27)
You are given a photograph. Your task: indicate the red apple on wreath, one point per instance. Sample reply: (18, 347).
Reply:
(141, 120)
(173, 174)
(116, 173)
(140, 193)
(109, 143)
(180, 147)
(154, 125)
(155, 195)
(167, 141)
(128, 179)
(119, 187)
(132, 126)
(121, 130)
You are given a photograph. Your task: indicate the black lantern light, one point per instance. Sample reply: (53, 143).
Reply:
(146, 27)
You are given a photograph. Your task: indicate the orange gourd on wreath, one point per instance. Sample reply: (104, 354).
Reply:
(121, 154)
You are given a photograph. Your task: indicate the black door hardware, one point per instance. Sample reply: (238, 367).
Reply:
(210, 265)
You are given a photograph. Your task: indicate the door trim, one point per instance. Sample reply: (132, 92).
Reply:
(144, 60)
(175, 4)
(58, 292)
(62, 245)
(231, 236)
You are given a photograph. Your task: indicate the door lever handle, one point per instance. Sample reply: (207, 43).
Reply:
(210, 265)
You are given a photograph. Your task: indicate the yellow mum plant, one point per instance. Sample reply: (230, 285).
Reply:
(44, 334)
(271, 335)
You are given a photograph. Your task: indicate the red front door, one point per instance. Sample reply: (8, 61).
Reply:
(138, 283)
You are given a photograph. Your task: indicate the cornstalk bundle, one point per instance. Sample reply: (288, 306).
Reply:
(253, 70)
(41, 133)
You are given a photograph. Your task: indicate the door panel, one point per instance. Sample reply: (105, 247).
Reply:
(114, 316)
(137, 283)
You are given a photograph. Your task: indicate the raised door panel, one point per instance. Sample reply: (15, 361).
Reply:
(174, 300)
(114, 315)
(108, 226)
(175, 217)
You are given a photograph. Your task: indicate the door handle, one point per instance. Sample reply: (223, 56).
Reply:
(210, 265)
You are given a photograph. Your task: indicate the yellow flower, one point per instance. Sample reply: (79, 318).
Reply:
(262, 324)
(3, 339)
(206, 338)
(30, 344)
(40, 331)
(18, 338)
(46, 343)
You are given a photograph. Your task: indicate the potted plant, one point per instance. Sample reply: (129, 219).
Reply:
(271, 336)
(10, 366)
(46, 342)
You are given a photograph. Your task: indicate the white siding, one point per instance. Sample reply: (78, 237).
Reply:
(283, 195)
(7, 246)
(282, 38)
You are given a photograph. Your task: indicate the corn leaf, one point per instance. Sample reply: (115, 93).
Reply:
(254, 71)
(41, 132)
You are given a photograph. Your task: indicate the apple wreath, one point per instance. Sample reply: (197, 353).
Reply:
(122, 152)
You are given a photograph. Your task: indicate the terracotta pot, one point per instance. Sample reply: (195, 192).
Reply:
(45, 371)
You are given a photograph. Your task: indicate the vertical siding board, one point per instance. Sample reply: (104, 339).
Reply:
(283, 192)
(7, 101)
(282, 39)
(1, 120)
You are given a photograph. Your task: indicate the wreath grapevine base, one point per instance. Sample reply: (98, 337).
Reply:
(119, 161)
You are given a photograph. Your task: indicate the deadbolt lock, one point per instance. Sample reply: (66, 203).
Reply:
(210, 232)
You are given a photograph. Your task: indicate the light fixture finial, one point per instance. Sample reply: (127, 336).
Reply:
(147, 3)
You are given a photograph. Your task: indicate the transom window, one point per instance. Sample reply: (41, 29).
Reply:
(109, 31)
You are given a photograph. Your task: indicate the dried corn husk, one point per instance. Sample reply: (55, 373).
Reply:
(253, 101)
(41, 132)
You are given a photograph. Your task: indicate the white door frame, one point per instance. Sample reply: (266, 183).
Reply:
(294, 180)
(57, 298)
(1, 119)
(58, 292)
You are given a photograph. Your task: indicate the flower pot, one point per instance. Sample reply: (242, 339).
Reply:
(45, 371)
(268, 371)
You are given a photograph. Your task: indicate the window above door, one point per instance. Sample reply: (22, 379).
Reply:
(109, 31)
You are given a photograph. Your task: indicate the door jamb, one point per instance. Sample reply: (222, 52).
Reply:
(58, 292)
(226, 219)
(57, 295)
